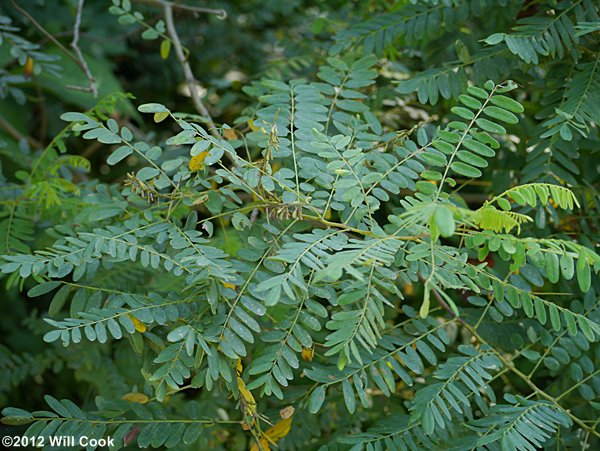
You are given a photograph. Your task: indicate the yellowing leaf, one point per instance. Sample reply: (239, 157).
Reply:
(165, 49)
(139, 326)
(197, 162)
(409, 289)
(28, 67)
(229, 134)
(263, 445)
(253, 127)
(287, 412)
(229, 285)
(276, 432)
(159, 117)
(245, 393)
(279, 429)
(308, 354)
(247, 402)
(424, 310)
(140, 398)
(201, 199)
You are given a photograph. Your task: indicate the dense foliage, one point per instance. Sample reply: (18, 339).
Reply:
(303, 224)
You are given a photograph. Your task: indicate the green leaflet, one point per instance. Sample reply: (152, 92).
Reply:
(444, 220)
(463, 112)
(119, 154)
(471, 102)
(501, 114)
(507, 103)
(479, 147)
(348, 396)
(552, 267)
(316, 399)
(490, 126)
(584, 277)
(567, 266)
(465, 169)
(43, 288)
(471, 159)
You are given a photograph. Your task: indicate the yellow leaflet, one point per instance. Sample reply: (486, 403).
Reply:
(247, 405)
(246, 399)
(229, 134)
(424, 310)
(246, 395)
(276, 432)
(229, 285)
(279, 430)
(165, 49)
(253, 126)
(159, 117)
(28, 68)
(197, 162)
(308, 354)
(262, 445)
(139, 326)
(140, 398)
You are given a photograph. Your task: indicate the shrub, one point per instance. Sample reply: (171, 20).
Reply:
(311, 276)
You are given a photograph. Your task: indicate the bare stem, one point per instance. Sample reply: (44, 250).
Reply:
(220, 13)
(16, 134)
(77, 50)
(187, 70)
(55, 41)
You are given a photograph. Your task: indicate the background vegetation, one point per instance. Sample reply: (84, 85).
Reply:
(301, 224)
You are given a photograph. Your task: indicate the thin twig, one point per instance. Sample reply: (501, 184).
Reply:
(187, 70)
(46, 33)
(55, 41)
(445, 305)
(75, 46)
(220, 13)
(79, 88)
(12, 131)
(347, 228)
